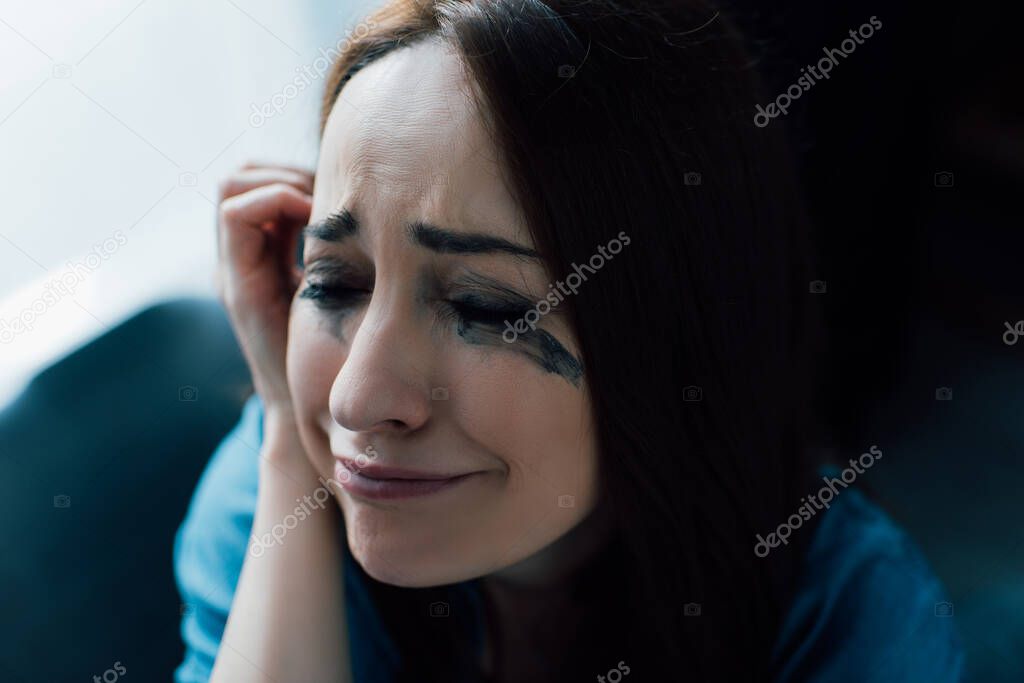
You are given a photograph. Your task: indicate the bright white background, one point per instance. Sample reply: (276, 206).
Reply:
(118, 118)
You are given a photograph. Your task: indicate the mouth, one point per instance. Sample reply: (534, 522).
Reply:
(377, 482)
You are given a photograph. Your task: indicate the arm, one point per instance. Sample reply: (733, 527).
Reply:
(287, 618)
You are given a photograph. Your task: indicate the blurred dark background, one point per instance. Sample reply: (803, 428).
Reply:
(912, 154)
(99, 458)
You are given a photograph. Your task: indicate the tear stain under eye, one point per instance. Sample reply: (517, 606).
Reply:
(538, 345)
(334, 325)
(331, 320)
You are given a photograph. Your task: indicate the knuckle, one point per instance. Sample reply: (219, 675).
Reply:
(228, 210)
(279, 190)
(226, 187)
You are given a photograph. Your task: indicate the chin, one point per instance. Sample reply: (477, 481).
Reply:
(404, 572)
(398, 562)
(385, 573)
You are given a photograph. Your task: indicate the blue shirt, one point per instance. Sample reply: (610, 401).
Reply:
(867, 607)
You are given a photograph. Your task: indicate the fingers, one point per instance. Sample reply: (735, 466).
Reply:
(261, 211)
(251, 178)
(260, 219)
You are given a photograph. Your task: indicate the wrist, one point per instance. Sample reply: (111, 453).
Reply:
(279, 422)
(281, 441)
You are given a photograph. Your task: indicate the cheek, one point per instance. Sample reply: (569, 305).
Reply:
(537, 423)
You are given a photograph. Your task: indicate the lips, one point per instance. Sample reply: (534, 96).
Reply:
(380, 482)
(373, 471)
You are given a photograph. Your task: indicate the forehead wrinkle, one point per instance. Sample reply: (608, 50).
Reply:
(406, 153)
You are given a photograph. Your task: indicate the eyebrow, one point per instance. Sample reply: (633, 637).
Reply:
(447, 242)
(334, 228)
(341, 225)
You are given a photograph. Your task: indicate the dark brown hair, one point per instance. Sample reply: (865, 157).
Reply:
(639, 117)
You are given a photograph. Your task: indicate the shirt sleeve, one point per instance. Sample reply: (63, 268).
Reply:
(869, 609)
(211, 542)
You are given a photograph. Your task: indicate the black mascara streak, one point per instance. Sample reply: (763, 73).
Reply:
(333, 317)
(558, 360)
(538, 345)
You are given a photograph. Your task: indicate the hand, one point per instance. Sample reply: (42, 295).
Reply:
(262, 208)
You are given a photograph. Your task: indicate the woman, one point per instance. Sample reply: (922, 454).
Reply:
(534, 394)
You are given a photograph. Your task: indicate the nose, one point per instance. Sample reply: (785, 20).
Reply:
(383, 385)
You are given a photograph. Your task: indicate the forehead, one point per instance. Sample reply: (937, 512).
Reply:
(405, 141)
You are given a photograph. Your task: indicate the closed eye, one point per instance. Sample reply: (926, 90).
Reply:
(472, 308)
(332, 296)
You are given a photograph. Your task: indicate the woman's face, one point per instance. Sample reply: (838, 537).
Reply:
(399, 356)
